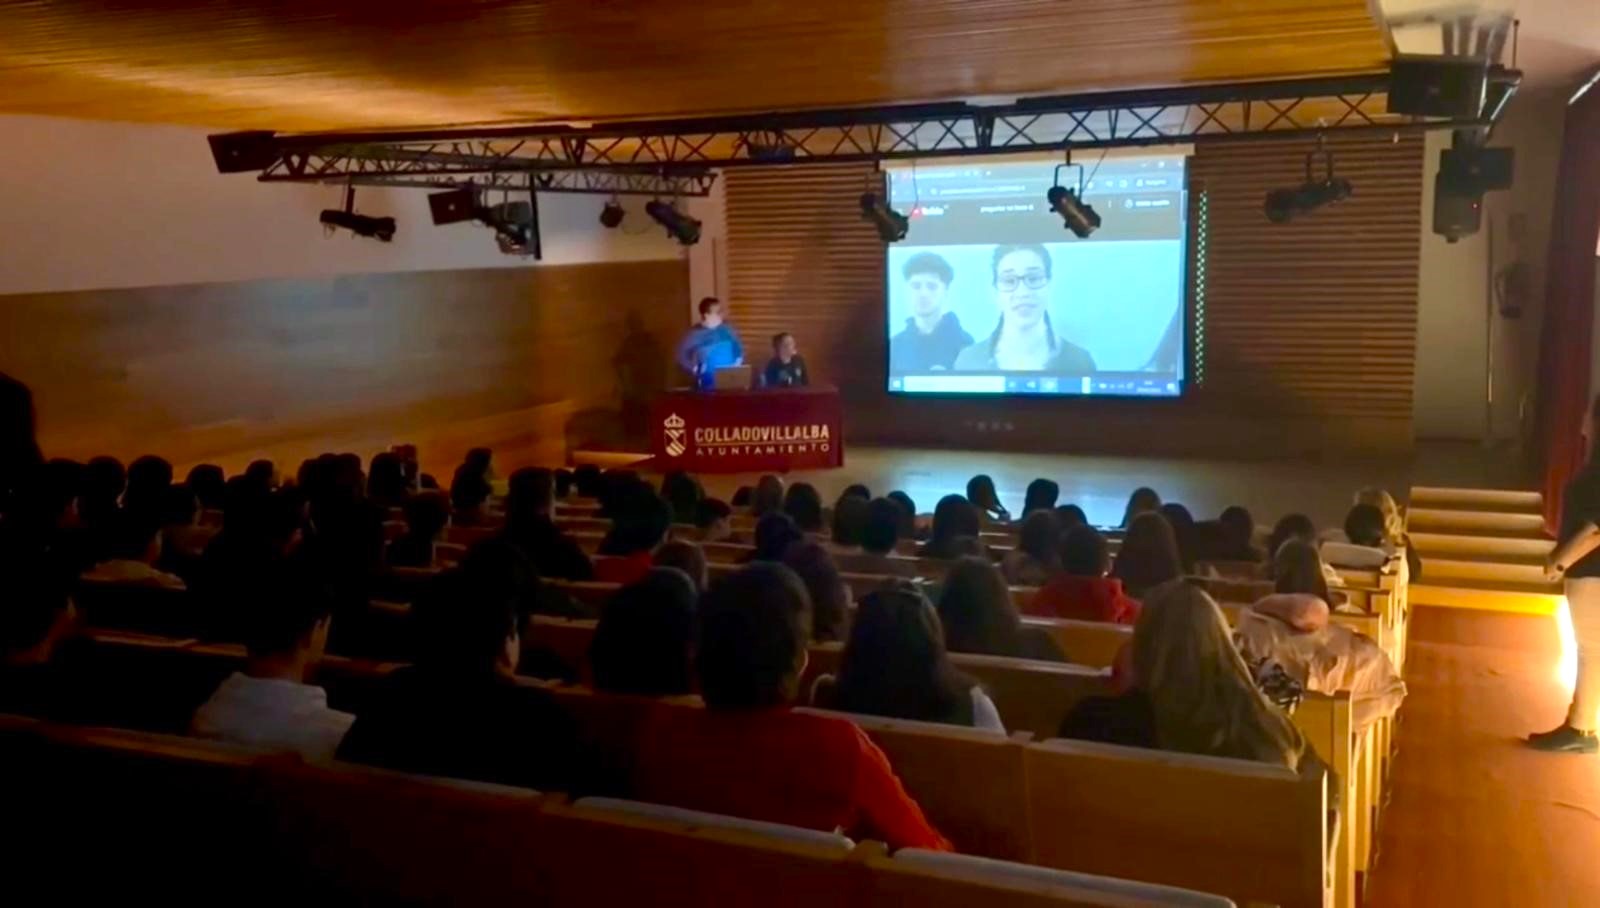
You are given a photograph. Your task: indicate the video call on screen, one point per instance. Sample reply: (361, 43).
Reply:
(990, 294)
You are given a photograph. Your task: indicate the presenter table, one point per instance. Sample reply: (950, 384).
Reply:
(748, 431)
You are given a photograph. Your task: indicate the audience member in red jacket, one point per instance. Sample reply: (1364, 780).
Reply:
(748, 754)
(1081, 589)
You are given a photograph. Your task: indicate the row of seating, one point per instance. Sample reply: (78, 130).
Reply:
(177, 818)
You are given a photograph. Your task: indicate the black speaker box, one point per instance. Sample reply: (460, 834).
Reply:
(454, 206)
(1455, 214)
(1429, 86)
(241, 152)
(1476, 169)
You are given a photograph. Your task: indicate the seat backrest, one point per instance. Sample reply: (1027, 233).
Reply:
(1045, 883)
(1249, 831)
(569, 639)
(776, 832)
(1033, 696)
(1091, 643)
(981, 815)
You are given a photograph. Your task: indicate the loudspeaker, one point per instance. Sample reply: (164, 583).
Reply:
(241, 152)
(1429, 86)
(1455, 214)
(454, 206)
(1470, 169)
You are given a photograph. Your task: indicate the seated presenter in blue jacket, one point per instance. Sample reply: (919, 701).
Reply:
(710, 345)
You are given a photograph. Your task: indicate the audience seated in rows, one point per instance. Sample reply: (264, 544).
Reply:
(856, 490)
(1069, 516)
(644, 642)
(1149, 555)
(683, 493)
(642, 523)
(426, 517)
(954, 517)
(1290, 526)
(263, 473)
(460, 711)
(1190, 691)
(1183, 533)
(686, 557)
(563, 479)
(908, 514)
(104, 481)
(386, 481)
(148, 479)
(979, 616)
(37, 626)
(19, 446)
(530, 525)
(775, 532)
(586, 480)
(1297, 568)
(1238, 537)
(284, 615)
(713, 520)
(830, 596)
(981, 493)
(804, 506)
(470, 490)
(1143, 500)
(895, 665)
(1041, 495)
(1081, 590)
(849, 521)
(183, 539)
(747, 754)
(208, 483)
(1037, 556)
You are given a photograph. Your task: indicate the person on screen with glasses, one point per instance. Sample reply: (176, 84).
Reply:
(933, 336)
(1024, 341)
(786, 369)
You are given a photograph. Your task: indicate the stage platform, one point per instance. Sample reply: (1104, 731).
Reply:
(1320, 488)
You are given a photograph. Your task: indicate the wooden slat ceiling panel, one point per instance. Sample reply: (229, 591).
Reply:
(1314, 320)
(299, 64)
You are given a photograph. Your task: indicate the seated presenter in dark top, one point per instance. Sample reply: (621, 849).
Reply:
(933, 335)
(786, 369)
(1024, 340)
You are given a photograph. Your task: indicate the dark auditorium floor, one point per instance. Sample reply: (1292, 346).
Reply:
(1478, 819)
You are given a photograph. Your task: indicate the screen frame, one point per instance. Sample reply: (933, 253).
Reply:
(1187, 284)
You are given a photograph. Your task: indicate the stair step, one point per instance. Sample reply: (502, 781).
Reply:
(1476, 499)
(1465, 595)
(1499, 573)
(1477, 546)
(1438, 520)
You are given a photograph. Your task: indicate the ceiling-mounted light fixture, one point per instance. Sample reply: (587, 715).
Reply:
(681, 227)
(1077, 215)
(380, 229)
(890, 224)
(1284, 205)
(611, 215)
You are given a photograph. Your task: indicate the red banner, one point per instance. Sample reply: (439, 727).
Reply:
(748, 431)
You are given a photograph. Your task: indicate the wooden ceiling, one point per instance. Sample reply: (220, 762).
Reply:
(313, 64)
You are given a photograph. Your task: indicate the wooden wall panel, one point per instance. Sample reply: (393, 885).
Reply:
(290, 368)
(1310, 327)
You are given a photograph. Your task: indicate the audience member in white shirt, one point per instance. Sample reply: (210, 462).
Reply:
(135, 548)
(269, 704)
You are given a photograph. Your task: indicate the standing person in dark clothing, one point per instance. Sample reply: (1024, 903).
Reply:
(530, 525)
(1576, 561)
(786, 369)
(460, 711)
(932, 337)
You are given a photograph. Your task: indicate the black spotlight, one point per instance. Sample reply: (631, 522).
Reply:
(1077, 215)
(611, 215)
(681, 227)
(1284, 205)
(515, 226)
(890, 224)
(381, 229)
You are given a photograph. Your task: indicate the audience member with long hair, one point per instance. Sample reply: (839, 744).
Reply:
(830, 596)
(978, 616)
(1298, 568)
(748, 754)
(1190, 691)
(908, 514)
(1041, 495)
(849, 520)
(1290, 526)
(19, 445)
(804, 505)
(981, 492)
(1037, 556)
(1143, 500)
(1149, 555)
(954, 517)
(530, 525)
(683, 493)
(775, 532)
(644, 641)
(426, 517)
(895, 665)
(1238, 537)
(686, 557)
(766, 497)
(1081, 590)
(1183, 532)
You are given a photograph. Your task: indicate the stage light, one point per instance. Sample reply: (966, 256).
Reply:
(891, 225)
(1284, 205)
(381, 229)
(611, 215)
(514, 226)
(681, 227)
(1077, 215)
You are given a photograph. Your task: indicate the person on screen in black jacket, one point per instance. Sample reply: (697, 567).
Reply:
(932, 337)
(786, 369)
(1024, 340)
